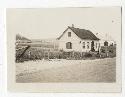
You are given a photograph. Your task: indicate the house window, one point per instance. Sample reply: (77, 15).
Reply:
(69, 45)
(69, 34)
(87, 45)
(83, 44)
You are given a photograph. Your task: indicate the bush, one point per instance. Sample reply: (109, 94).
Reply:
(37, 54)
(88, 55)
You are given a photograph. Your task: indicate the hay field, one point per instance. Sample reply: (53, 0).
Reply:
(40, 71)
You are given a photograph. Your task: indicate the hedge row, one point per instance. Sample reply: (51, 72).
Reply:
(39, 54)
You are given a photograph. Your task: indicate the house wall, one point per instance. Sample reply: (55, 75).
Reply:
(77, 43)
(86, 49)
(74, 39)
(98, 45)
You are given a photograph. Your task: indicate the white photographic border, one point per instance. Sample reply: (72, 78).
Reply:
(60, 87)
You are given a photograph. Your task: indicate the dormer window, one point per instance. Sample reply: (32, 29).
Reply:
(69, 34)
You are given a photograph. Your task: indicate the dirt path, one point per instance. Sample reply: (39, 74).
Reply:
(67, 71)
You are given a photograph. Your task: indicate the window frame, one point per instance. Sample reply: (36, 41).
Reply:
(68, 45)
(83, 43)
(69, 34)
(88, 45)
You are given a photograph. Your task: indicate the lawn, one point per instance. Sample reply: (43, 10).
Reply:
(98, 70)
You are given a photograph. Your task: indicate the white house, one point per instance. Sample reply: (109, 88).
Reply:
(76, 39)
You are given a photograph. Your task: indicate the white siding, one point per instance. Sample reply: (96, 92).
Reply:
(96, 47)
(74, 39)
(85, 49)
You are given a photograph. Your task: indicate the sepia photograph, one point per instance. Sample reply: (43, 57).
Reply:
(64, 45)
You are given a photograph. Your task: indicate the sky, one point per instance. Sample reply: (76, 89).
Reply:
(45, 23)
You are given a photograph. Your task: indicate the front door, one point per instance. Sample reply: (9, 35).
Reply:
(92, 46)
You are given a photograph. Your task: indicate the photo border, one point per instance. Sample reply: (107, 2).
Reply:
(60, 87)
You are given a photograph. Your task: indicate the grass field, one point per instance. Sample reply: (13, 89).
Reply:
(98, 70)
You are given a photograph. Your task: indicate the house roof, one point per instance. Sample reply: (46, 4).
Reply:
(82, 33)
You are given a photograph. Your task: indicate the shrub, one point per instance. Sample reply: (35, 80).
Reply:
(88, 55)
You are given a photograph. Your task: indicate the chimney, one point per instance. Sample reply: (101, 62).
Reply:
(73, 25)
